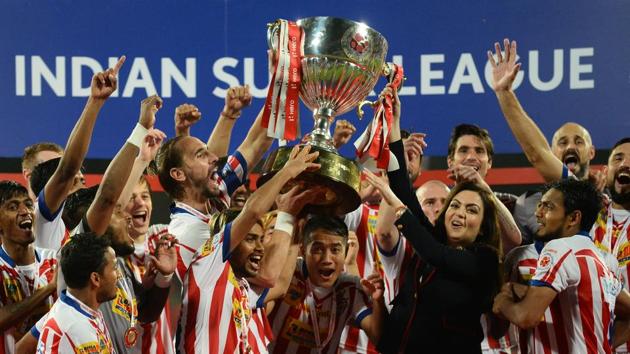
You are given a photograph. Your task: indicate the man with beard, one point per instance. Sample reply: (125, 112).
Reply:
(28, 280)
(611, 230)
(75, 324)
(571, 147)
(218, 300)
(574, 285)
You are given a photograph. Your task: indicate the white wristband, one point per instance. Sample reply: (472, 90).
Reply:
(163, 281)
(285, 222)
(137, 135)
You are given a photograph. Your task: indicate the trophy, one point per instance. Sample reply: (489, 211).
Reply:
(340, 63)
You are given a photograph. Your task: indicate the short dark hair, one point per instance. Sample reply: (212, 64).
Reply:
(621, 141)
(77, 205)
(28, 157)
(330, 224)
(168, 157)
(470, 129)
(10, 189)
(42, 173)
(582, 196)
(83, 255)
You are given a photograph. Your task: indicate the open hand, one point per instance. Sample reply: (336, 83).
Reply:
(505, 67)
(301, 160)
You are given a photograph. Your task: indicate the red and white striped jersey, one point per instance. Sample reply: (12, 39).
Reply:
(293, 324)
(18, 284)
(217, 308)
(394, 264)
(190, 226)
(73, 327)
(48, 227)
(549, 335)
(587, 288)
(363, 222)
(156, 337)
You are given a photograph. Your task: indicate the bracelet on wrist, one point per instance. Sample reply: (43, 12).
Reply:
(285, 222)
(400, 211)
(137, 135)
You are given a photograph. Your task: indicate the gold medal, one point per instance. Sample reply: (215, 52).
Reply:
(131, 337)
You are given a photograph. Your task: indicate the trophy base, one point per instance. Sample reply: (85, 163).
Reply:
(340, 177)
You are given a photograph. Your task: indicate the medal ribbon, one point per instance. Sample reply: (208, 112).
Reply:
(281, 112)
(310, 301)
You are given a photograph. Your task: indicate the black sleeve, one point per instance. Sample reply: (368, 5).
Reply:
(465, 263)
(401, 185)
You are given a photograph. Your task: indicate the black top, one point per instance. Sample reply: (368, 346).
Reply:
(441, 300)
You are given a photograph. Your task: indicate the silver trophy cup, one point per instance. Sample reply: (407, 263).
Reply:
(341, 63)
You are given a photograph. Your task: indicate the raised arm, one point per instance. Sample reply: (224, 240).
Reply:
(262, 199)
(62, 181)
(236, 99)
(525, 130)
(289, 205)
(118, 171)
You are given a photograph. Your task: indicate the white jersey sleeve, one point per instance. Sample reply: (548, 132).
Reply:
(557, 267)
(48, 226)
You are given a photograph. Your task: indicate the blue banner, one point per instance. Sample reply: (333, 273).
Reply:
(575, 55)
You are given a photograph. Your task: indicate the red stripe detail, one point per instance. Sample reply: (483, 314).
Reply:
(216, 309)
(585, 303)
(551, 275)
(558, 326)
(496, 176)
(191, 314)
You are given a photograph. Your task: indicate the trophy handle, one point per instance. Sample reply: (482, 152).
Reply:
(272, 31)
(363, 103)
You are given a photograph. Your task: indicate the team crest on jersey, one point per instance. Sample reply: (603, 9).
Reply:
(122, 305)
(371, 223)
(209, 246)
(11, 289)
(545, 262)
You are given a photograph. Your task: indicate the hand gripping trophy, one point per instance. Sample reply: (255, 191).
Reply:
(332, 64)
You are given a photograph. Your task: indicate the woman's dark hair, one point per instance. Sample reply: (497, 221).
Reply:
(489, 232)
(83, 255)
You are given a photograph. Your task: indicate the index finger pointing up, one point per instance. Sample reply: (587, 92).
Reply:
(119, 64)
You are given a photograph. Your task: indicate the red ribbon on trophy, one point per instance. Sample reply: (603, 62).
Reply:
(374, 142)
(281, 112)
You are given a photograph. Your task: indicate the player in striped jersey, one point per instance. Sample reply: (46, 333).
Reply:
(187, 169)
(218, 300)
(74, 324)
(321, 299)
(572, 270)
(611, 231)
(159, 336)
(28, 286)
(53, 188)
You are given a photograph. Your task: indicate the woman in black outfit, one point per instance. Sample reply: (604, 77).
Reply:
(456, 270)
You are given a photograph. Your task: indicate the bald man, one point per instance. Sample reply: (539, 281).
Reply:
(431, 196)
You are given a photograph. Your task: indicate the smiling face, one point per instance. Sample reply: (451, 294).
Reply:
(463, 218)
(324, 257)
(572, 145)
(16, 220)
(139, 208)
(618, 177)
(471, 151)
(246, 258)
